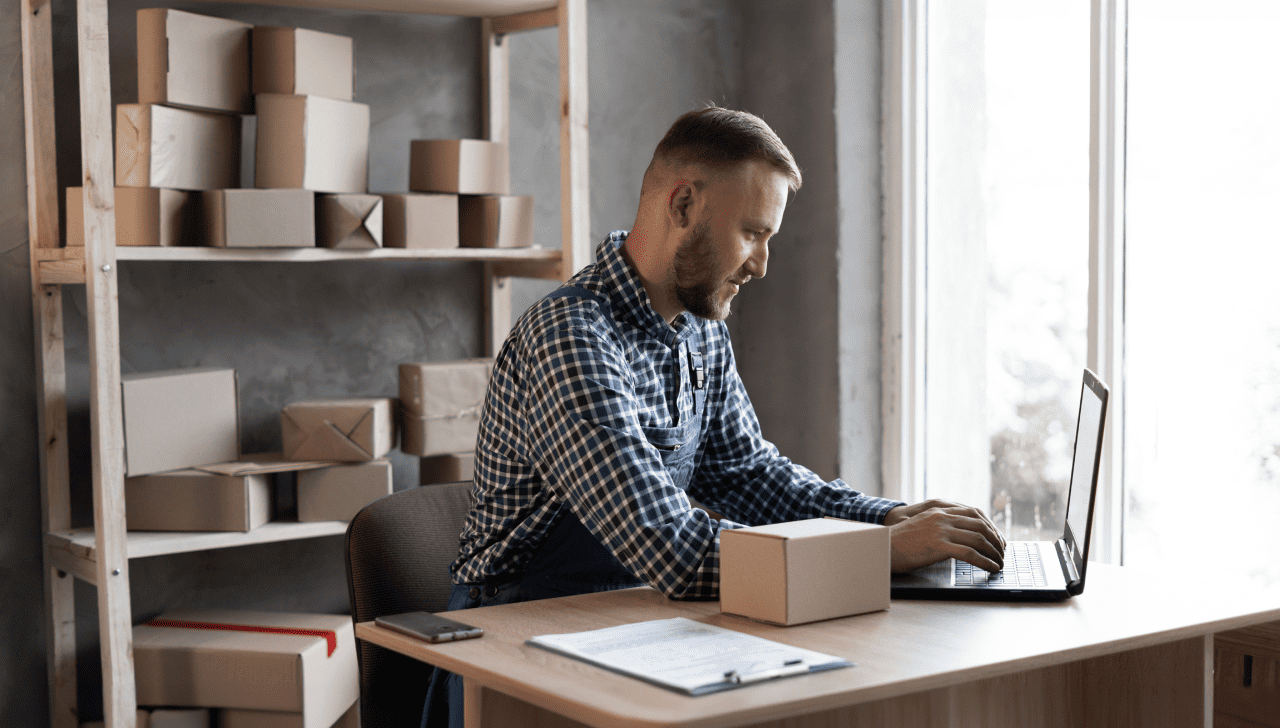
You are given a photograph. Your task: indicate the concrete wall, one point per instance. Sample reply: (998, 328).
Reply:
(334, 329)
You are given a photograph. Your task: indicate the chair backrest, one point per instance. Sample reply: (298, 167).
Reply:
(398, 553)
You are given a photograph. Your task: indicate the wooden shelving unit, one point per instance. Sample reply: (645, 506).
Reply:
(101, 555)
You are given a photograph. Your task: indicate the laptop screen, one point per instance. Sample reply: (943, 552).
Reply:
(1084, 467)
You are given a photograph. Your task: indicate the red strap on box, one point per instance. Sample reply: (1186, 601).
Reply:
(329, 635)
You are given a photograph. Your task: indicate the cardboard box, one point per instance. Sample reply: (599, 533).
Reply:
(181, 149)
(179, 418)
(312, 143)
(420, 221)
(442, 403)
(260, 218)
(338, 493)
(452, 468)
(340, 430)
(186, 59)
(302, 62)
(312, 674)
(349, 221)
(180, 718)
(461, 166)
(495, 221)
(272, 719)
(144, 216)
(804, 571)
(193, 500)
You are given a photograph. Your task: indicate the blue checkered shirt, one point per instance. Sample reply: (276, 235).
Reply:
(563, 427)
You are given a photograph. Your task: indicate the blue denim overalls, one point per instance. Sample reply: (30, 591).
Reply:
(570, 560)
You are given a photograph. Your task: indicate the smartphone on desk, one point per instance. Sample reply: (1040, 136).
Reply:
(429, 627)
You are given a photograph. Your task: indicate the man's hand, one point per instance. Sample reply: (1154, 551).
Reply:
(928, 532)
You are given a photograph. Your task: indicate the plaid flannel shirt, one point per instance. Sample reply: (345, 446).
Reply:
(563, 427)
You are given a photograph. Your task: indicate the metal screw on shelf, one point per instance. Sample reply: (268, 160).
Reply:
(106, 268)
(115, 572)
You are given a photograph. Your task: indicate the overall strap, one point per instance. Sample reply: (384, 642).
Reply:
(698, 371)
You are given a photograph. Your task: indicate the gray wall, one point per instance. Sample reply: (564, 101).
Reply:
(809, 355)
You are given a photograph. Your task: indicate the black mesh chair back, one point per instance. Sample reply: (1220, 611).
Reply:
(398, 553)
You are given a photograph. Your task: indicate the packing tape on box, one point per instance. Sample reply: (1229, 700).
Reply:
(331, 637)
(472, 411)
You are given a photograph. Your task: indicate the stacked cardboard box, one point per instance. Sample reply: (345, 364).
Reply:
(442, 403)
(477, 173)
(451, 468)
(338, 493)
(181, 147)
(338, 430)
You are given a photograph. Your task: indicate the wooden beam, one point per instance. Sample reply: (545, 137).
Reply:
(60, 271)
(495, 98)
(63, 561)
(115, 627)
(575, 192)
(549, 270)
(504, 24)
(51, 380)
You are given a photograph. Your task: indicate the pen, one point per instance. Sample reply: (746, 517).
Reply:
(790, 667)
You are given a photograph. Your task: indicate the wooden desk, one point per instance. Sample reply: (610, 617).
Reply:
(1124, 653)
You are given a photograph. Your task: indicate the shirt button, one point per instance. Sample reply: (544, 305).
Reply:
(490, 590)
(474, 593)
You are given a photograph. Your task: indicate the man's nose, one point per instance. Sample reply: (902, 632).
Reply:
(758, 262)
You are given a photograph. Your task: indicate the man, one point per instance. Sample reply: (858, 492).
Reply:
(616, 398)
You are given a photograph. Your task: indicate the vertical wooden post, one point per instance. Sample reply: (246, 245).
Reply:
(575, 162)
(495, 108)
(51, 379)
(112, 568)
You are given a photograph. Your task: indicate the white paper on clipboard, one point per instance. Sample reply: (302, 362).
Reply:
(688, 656)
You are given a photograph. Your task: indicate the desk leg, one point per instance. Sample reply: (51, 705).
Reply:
(488, 708)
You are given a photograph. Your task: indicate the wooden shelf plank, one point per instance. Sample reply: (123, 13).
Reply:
(79, 542)
(320, 255)
(472, 8)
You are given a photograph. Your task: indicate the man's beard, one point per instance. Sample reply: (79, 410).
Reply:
(694, 266)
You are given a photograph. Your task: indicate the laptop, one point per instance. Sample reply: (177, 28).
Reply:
(1033, 570)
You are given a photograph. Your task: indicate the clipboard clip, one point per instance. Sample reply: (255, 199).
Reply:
(790, 667)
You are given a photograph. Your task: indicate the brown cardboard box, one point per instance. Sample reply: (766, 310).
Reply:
(312, 143)
(179, 418)
(302, 62)
(271, 719)
(192, 500)
(179, 718)
(341, 430)
(181, 149)
(338, 493)
(420, 221)
(186, 59)
(260, 218)
(451, 468)
(349, 221)
(495, 221)
(144, 216)
(442, 402)
(252, 670)
(804, 571)
(462, 166)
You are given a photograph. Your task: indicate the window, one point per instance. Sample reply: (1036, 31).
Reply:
(1070, 186)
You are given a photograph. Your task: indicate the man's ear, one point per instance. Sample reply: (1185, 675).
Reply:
(679, 203)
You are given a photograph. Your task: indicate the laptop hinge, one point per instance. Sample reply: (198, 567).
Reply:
(1068, 563)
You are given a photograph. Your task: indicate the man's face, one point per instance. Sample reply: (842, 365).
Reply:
(729, 244)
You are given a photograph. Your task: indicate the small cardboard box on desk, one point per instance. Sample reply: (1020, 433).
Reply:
(262, 661)
(804, 571)
(442, 402)
(340, 430)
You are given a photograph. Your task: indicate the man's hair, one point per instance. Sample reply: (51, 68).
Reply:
(720, 137)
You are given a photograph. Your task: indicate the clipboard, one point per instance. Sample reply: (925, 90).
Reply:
(687, 656)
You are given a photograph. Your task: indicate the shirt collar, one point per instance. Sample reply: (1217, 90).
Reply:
(630, 300)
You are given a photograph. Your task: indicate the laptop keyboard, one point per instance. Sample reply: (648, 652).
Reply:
(1022, 568)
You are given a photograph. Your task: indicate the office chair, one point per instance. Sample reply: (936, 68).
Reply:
(398, 553)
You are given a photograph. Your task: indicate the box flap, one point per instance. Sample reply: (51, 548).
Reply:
(262, 462)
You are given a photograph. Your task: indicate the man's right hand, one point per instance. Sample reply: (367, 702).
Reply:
(933, 530)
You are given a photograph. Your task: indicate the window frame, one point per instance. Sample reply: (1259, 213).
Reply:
(904, 126)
